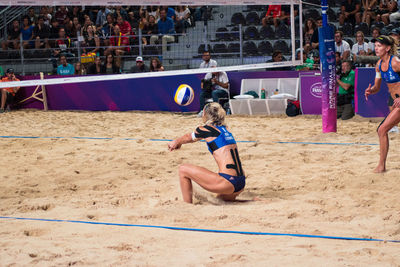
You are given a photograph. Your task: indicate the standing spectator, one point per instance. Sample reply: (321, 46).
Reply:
(79, 69)
(346, 92)
(140, 66)
(375, 34)
(350, 12)
(107, 30)
(165, 28)
(41, 33)
(124, 26)
(61, 15)
(96, 67)
(27, 33)
(13, 36)
(65, 68)
(341, 45)
(109, 66)
(309, 28)
(360, 48)
(8, 94)
(119, 44)
(156, 65)
(32, 16)
(182, 19)
(102, 16)
(315, 37)
(92, 41)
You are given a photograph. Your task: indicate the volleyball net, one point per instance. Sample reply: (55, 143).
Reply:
(239, 37)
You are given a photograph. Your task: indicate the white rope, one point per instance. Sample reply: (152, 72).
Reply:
(101, 78)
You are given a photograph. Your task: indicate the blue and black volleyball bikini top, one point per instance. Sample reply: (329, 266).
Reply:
(389, 76)
(223, 137)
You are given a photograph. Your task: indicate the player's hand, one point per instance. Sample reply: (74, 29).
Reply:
(396, 102)
(173, 145)
(368, 92)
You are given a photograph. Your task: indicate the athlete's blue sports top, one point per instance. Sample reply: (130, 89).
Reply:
(389, 76)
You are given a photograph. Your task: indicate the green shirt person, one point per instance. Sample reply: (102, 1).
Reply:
(1, 72)
(345, 98)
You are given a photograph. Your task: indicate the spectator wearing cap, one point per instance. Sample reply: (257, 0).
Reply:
(8, 94)
(13, 36)
(215, 85)
(341, 45)
(65, 68)
(140, 66)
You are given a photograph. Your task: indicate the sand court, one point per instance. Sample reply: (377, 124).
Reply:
(115, 167)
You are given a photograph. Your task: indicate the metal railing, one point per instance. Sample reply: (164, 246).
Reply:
(7, 15)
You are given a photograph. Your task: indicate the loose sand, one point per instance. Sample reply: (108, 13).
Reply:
(315, 189)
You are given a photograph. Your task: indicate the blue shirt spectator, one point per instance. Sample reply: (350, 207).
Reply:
(65, 68)
(165, 24)
(102, 16)
(171, 13)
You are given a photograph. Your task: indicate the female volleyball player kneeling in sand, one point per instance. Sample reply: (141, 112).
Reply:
(388, 69)
(229, 182)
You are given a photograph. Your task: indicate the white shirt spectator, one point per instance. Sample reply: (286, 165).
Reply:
(209, 64)
(344, 46)
(222, 77)
(357, 48)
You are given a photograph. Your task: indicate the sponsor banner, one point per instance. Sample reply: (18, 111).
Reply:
(328, 74)
(150, 94)
(311, 93)
(376, 106)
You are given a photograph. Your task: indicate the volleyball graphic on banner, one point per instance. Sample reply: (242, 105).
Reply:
(184, 95)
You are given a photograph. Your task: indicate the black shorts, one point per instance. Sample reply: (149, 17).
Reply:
(10, 98)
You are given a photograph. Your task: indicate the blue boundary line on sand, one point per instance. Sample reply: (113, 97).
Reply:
(200, 230)
(167, 140)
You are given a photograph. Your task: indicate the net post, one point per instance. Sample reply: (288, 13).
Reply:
(36, 93)
(21, 51)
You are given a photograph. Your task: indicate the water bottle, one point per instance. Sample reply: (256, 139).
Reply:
(276, 91)
(263, 93)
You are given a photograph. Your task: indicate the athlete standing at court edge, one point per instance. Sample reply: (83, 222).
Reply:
(229, 182)
(387, 68)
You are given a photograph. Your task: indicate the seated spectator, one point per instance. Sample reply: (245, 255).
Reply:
(109, 66)
(102, 16)
(170, 12)
(27, 33)
(124, 26)
(140, 66)
(156, 65)
(308, 63)
(65, 68)
(182, 19)
(345, 97)
(309, 27)
(165, 28)
(314, 55)
(133, 21)
(150, 31)
(46, 14)
(275, 15)
(54, 30)
(92, 42)
(395, 16)
(8, 94)
(341, 45)
(77, 12)
(390, 8)
(215, 85)
(119, 44)
(350, 11)
(120, 11)
(207, 61)
(360, 48)
(76, 27)
(375, 34)
(277, 56)
(61, 15)
(369, 9)
(315, 36)
(13, 36)
(96, 67)
(41, 34)
(63, 46)
(153, 11)
(107, 30)
(79, 69)
(86, 24)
